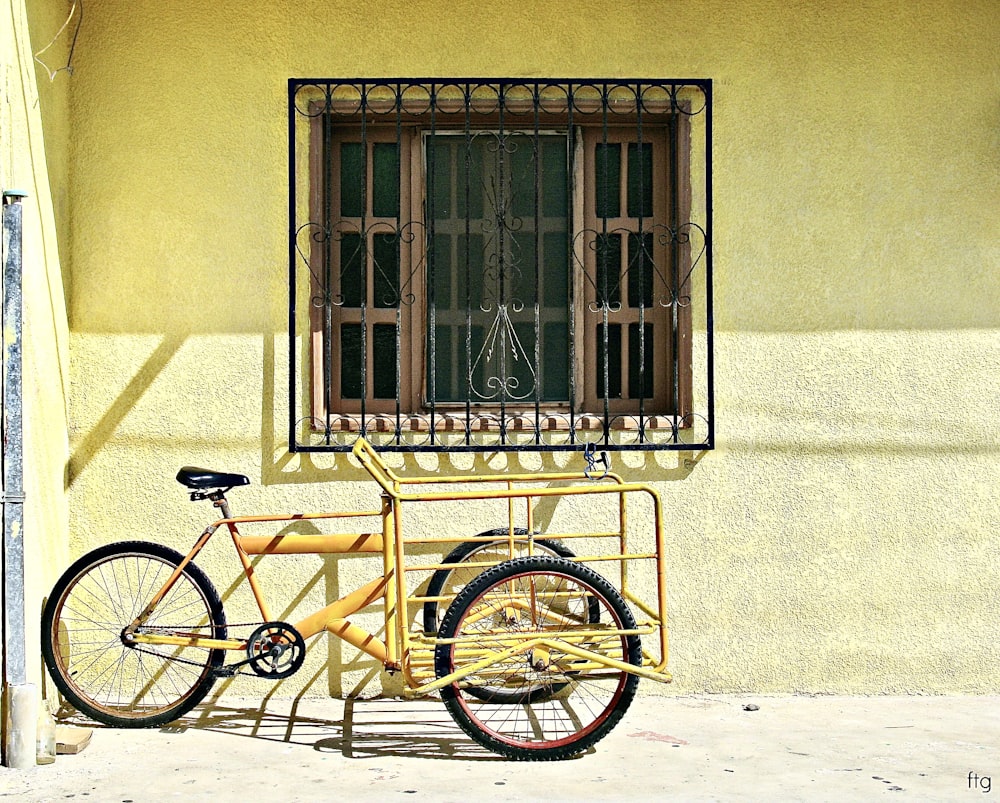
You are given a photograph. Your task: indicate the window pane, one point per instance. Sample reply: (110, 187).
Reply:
(385, 179)
(521, 159)
(479, 370)
(469, 267)
(555, 358)
(554, 176)
(521, 362)
(351, 179)
(639, 385)
(386, 255)
(352, 260)
(523, 257)
(444, 364)
(384, 384)
(555, 287)
(442, 275)
(607, 182)
(640, 179)
(472, 276)
(469, 187)
(521, 166)
(350, 360)
(439, 164)
(612, 352)
(640, 270)
(609, 265)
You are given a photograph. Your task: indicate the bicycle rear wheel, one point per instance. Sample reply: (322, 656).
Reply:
(567, 702)
(103, 674)
(491, 545)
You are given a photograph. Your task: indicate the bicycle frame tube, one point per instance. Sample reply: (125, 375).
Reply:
(398, 650)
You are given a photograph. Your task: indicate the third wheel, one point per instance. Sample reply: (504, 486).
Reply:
(523, 598)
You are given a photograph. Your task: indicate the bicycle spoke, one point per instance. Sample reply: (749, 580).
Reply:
(114, 680)
(554, 703)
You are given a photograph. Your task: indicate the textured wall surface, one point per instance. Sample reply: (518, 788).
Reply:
(842, 538)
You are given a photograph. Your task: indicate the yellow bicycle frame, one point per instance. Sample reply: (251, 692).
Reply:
(412, 652)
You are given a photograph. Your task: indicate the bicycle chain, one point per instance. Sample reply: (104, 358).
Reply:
(220, 671)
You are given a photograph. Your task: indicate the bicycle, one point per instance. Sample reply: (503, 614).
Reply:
(537, 655)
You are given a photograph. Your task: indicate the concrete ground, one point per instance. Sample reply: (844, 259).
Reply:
(683, 748)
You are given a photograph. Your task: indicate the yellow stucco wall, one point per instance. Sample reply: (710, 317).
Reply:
(842, 538)
(34, 146)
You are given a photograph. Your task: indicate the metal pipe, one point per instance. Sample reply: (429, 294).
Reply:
(18, 694)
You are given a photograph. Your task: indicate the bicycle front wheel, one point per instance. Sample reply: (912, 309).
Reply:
(103, 673)
(522, 599)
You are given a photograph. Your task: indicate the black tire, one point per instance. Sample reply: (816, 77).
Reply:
(449, 582)
(488, 546)
(522, 597)
(138, 685)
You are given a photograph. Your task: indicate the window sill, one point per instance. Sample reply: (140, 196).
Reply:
(482, 422)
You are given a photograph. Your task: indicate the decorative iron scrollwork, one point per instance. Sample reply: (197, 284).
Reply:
(480, 373)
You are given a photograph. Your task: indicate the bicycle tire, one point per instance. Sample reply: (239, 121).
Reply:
(128, 685)
(447, 582)
(443, 579)
(592, 698)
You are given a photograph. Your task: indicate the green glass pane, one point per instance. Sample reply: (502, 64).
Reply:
(385, 249)
(520, 157)
(442, 272)
(440, 154)
(640, 179)
(352, 179)
(351, 360)
(555, 362)
(609, 357)
(555, 177)
(521, 362)
(607, 181)
(444, 363)
(385, 362)
(609, 263)
(555, 286)
(640, 353)
(470, 270)
(352, 261)
(479, 371)
(385, 179)
(525, 262)
(470, 186)
(640, 270)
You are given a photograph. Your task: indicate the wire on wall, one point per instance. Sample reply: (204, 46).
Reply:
(72, 47)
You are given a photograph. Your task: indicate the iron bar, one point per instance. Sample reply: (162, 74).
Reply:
(479, 386)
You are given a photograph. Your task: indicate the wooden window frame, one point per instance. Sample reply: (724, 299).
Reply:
(671, 205)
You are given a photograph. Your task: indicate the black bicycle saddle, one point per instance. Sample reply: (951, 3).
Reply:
(204, 478)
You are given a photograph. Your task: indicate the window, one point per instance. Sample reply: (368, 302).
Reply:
(498, 264)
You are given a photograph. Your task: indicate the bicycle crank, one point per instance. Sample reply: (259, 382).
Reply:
(275, 650)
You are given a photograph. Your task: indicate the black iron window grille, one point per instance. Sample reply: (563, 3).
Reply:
(500, 264)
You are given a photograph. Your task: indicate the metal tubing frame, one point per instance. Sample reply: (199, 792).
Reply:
(401, 649)
(14, 662)
(399, 439)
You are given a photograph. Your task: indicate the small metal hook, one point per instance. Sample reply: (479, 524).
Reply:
(590, 455)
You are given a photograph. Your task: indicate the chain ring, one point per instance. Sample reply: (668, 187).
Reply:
(276, 650)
